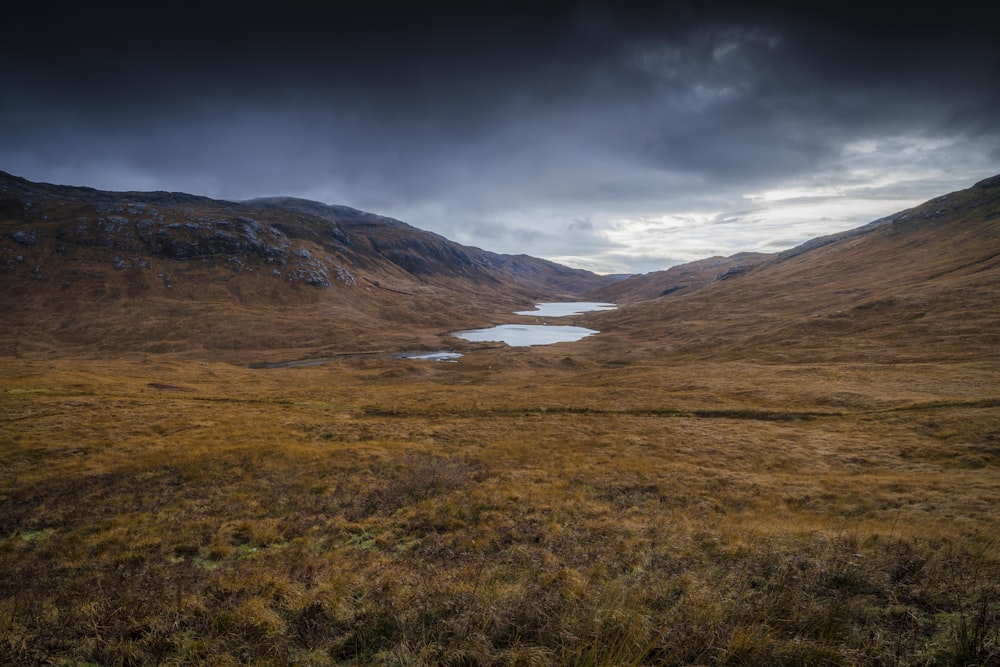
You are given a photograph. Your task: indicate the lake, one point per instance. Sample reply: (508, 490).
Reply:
(525, 335)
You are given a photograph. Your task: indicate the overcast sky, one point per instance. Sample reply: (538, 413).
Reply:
(619, 137)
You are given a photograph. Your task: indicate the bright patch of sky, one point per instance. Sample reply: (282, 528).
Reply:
(871, 179)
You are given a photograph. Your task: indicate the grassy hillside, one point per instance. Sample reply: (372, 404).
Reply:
(919, 286)
(799, 465)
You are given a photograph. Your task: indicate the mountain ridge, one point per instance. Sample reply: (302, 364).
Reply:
(159, 256)
(92, 272)
(688, 277)
(17, 195)
(918, 286)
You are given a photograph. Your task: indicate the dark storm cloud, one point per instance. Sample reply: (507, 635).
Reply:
(511, 118)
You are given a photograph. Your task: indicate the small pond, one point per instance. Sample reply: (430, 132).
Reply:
(564, 308)
(524, 335)
(442, 355)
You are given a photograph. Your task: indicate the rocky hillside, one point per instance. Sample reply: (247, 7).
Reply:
(158, 271)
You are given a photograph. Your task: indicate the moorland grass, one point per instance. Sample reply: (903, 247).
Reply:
(509, 510)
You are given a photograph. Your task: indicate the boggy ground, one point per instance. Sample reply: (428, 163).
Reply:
(525, 507)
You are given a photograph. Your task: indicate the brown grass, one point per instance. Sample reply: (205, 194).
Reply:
(794, 466)
(518, 507)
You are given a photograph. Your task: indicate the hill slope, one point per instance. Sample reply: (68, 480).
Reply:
(922, 284)
(169, 272)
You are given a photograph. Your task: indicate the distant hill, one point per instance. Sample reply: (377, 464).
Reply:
(922, 285)
(110, 272)
(677, 280)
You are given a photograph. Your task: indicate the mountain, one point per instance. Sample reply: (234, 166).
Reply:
(97, 273)
(169, 272)
(919, 286)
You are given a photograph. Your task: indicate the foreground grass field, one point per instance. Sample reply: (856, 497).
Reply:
(517, 507)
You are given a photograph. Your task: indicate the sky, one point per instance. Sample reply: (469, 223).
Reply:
(619, 137)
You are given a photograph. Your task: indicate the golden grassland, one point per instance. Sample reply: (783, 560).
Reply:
(520, 507)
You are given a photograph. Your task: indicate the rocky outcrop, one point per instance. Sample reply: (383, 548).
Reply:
(734, 271)
(24, 238)
(206, 238)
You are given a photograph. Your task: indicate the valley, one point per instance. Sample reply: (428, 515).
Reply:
(793, 462)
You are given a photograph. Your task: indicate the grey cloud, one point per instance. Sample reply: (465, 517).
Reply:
(503, 123)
